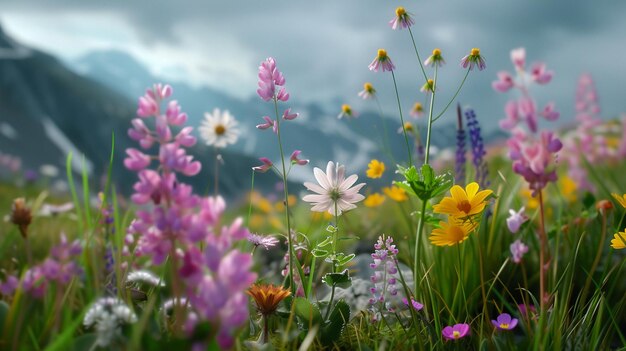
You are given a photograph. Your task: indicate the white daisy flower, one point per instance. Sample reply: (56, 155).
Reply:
(108, 314)
(143, 276)
(334, 190)
(219, 128)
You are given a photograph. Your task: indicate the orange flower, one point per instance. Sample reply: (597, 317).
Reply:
(267, 297)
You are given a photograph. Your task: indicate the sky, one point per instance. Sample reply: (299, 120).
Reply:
(324, 47)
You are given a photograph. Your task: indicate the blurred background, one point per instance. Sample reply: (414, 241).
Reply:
(71, 72)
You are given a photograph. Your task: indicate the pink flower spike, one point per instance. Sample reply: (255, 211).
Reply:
(289, 116)
(539, 73)
(550, 113)
(185, 138)
(516, 219)
(504, 82)
(147, 107)
(136, 160)
(518, 57)
(294, 158)
(267, 164)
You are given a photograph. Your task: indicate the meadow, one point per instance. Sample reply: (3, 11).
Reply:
(516, 245)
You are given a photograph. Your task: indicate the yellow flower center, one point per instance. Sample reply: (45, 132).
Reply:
(418, 106)
(368, 87)
(346, 109)
(408, 126)
(464, 206)
(431, 82)
(400, 11)
(475, 52)
(437, 52)
(504, 325)
(456, 334)
(382, 54)
(220, 129)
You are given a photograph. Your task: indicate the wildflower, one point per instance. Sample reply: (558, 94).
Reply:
(144, 276)
(516, 219)
(346, 111)
(621, 199)
(619, 241)
(375, 169)
(295, 160)
(396, 194)
(417, 110)
(518, 249)
(385, 275)
(10, 284)
(549, 112)
(287, 115)
(267, 297)
(219, 129)
(267, 164)
(266, 242)
(459, 165)
(416, 305)
(108, 314)
(518, 57)
(504, 322)
(401, 20)
(374, 200)
(604, 206)
(463, 203)
(435, 60)
(478, 149)
(428, 87)
(268, 123)
(21, 215)
(407, 126)
(539, 73)
(335, 193)
(368, 91)
(136, 160)
(452, 233)
(473, 59)
(456, 331)
(269, 78)
(382, 61)
(504, 82)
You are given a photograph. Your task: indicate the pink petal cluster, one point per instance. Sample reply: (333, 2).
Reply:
(456, 331)
(532, 152)
(269, 78)
(174, 222)
(518, 250)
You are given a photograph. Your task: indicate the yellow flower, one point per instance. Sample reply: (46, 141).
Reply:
(267, 297)
(452, 233)
(264, 205)
(619, 241)
(374, 200)
(396, 194)
(375, 169)
(621, 199)
(532, 202)
(463, 203)
(568, 188)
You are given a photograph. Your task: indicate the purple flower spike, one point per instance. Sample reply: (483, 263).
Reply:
(456, 331)
(504, 322)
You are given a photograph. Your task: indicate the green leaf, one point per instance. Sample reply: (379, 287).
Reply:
(589, 200)
(331, 228)
(327, 241)
(343, 259)
(319, 253)
(442, 184)
(4, 312)
(339, 280)
(411, 174)
(85, 342)
(338, 319)
(307, 311)
(428, 175)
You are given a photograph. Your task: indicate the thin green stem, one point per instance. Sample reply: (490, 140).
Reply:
(542, 248)
(286, 191)
(453, 97)
(406, 138)
(334, 256)
(430, 118)
(419, 60)
(418, 238)
(217, 172)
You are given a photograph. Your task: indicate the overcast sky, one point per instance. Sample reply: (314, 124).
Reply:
(324, 47)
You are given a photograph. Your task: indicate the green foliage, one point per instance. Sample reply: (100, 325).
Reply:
(338, 280)
(425, 184)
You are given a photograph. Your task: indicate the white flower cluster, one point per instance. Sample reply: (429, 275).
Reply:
(107, 314)
(143, 276)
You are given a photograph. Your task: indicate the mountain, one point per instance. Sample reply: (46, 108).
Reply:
(51, 111)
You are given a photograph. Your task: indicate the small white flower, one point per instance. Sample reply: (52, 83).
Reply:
(219, 128)
(334, 190)
(108, 314)
(143, 276)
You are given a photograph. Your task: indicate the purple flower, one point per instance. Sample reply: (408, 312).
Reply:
(504, 322)
(516, 219)
(265, 241)
(478, 149)
(9, 285)
(416, 305)
(518, 249)
(459, 168)
(385, 275)
(456, 331)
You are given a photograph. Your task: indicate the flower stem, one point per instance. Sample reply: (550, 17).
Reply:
(419, 60)
(596, 261)
(418, 238)
(430, 119)
(542, 248)
(454, 97)
(334, 255)
(406, 138)
(286, 191)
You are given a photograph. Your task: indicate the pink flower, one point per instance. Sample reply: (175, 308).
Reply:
(269, 78)
(335, 193)
(136, 160)
(173, 114)
(518, 57)
(504, 83)
(401, 20)
(382, 61)
(539, 73)
(141, 133)
(416, 305)
(528, 112)
(550, 113)
(456, 331)
(516, 219)
(512, 116)
(294, 158)
(268, 123)
(287, 115)
(504, 322)
(518, 249)
(174, 158)
(267, 164)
